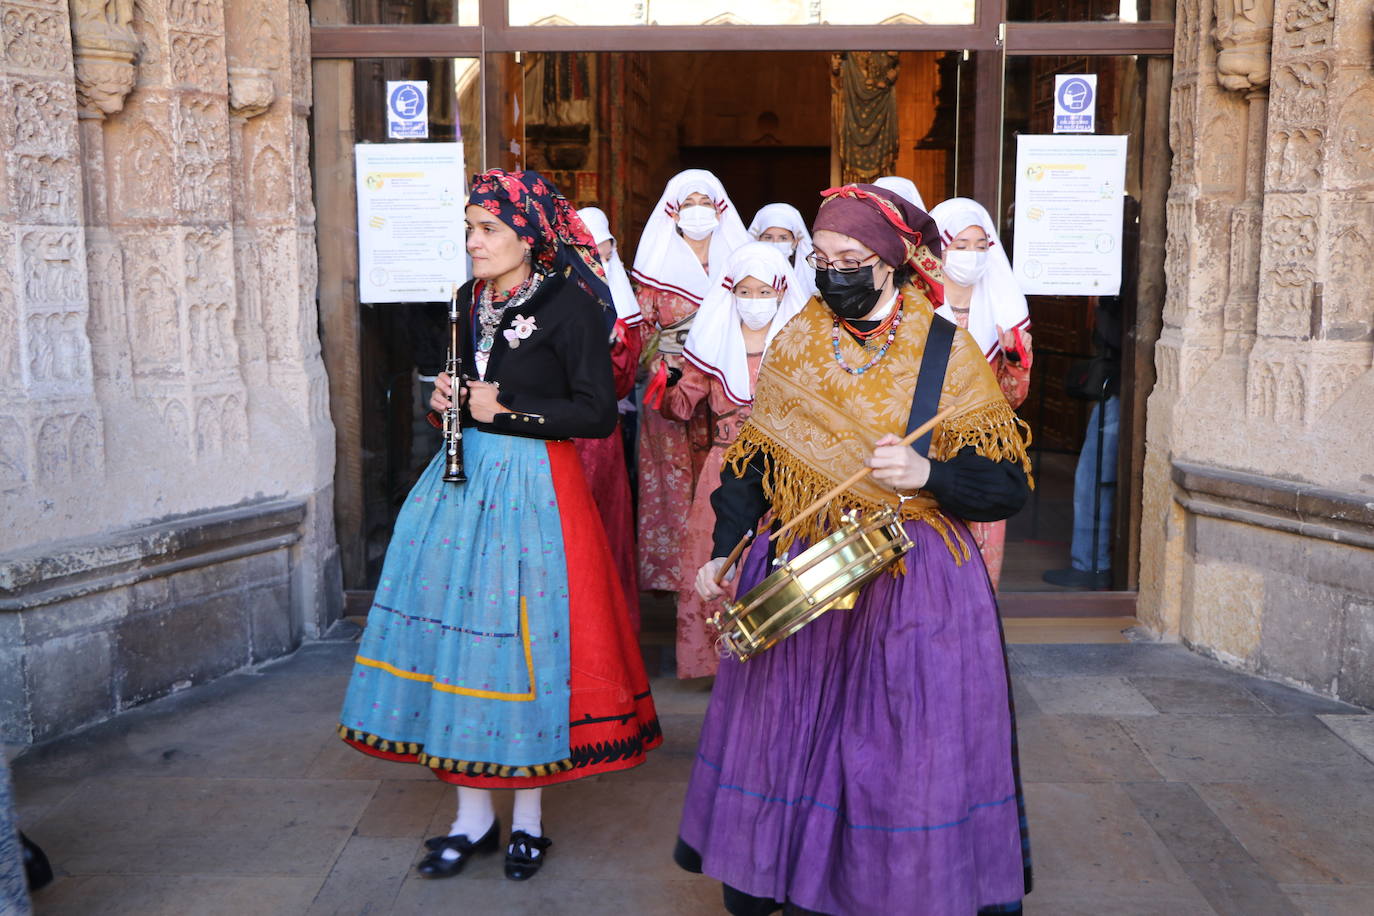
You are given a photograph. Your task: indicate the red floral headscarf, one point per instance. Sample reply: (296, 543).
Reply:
(530, 204)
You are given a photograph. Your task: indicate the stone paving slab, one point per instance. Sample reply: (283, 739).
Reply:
(1157, 783)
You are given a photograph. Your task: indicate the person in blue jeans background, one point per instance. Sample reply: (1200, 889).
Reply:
(1094, 479)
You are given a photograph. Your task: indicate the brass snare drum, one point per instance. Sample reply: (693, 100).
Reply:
(828, 574)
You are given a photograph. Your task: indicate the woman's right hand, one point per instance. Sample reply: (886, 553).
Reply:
(706, 580)
(442, 398)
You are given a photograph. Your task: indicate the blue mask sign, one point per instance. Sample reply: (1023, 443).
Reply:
(1075, 103)
(407, 109)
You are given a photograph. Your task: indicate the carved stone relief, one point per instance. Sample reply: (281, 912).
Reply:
(1347, 313)
(143, 169)
(209, 430)
(270, 183)
(1277, 388)
(201, 15)
(234, 425)
(197, 60)
(203, 139)
(1183, 112)
(1290, 261)
(1307, 24)
(1355, 137)
(177, 422)
(42, 115)
(1295, 162)
(1186, 35)
(36, 40)
(53, 267)
(156, 319)
(45, 188)
(57, 347)
(1299, 95)
(14, 459)
(1243, 36)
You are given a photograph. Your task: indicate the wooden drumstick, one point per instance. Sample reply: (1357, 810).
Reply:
(733, 557)
(857, 476)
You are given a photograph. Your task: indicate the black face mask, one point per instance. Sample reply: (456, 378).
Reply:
(849, 295)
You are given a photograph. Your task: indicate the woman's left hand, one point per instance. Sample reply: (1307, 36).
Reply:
(898, 466)
(482, 402)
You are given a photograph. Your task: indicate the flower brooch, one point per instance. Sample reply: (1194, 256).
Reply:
(521, 328)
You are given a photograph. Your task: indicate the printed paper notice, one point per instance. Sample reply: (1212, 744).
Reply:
(1068, 214)
(410, 221)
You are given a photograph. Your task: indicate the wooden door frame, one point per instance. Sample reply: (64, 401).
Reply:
(990, 38)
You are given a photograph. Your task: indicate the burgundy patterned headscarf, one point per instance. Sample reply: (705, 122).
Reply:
(897, 230)
(530, 204)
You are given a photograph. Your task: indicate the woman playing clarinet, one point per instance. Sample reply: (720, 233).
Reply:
(498, 652)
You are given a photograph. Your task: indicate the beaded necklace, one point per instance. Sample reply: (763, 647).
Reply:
(895, 322)
(491, 312)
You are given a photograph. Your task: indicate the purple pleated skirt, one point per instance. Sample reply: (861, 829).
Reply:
(866, 764)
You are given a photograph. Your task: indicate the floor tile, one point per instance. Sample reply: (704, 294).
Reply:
(1194, 696)
(1242, 748)
(123, 825)
(1091, 832)
(1356, 731)
(1286, 701)
(1088, 696)
(1305, 829)
(1119, 898)
(404, 808)
(1327, 900)
(544, 895)
(367, 877)
(177, 895)
(1079, 749)
(1135, 659)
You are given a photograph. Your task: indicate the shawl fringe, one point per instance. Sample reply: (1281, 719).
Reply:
(995, 432)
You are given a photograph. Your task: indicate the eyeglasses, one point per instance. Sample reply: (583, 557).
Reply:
(840, 265)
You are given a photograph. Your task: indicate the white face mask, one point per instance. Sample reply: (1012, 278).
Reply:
(697, 221)
(965, 268)
(756, 314)
(786, 248)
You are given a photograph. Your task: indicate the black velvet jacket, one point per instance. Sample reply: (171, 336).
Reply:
(557, 383)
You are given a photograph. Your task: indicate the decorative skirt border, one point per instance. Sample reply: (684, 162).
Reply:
(650, 733)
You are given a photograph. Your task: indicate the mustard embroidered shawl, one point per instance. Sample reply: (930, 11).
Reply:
(816, 424)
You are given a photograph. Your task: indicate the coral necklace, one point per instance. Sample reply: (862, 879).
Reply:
(890, 325)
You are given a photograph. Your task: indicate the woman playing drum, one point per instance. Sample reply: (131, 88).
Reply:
(867, 762)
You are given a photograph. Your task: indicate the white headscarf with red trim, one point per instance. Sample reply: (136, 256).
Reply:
(786, 216)
(997, 298)
(715, 345)
(903, 186)
(626, 306)
(663, 259)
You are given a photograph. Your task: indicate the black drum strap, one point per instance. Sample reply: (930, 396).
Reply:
(930, 380)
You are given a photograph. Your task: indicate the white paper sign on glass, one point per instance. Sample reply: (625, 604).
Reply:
(1069, 203)
(410, 221)
(1075, 103)
(407, 109)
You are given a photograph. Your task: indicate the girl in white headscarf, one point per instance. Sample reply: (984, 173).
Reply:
(755, 297)
(903, 186)
(603, 460)
(981, 294)
(782, 226)
(687, 240)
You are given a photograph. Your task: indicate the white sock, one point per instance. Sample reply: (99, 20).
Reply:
(528, 812)
(475, 816)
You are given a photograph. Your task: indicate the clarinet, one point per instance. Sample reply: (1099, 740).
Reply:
(453, 427)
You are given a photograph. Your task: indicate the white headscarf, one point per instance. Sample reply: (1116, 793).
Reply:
(626, 306)
(997, 298)
(664, 261)
(715, 345)
(903, 186)
(786, 216)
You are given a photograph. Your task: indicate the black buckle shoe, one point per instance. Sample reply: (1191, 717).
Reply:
(434, 865)
(521, 863)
